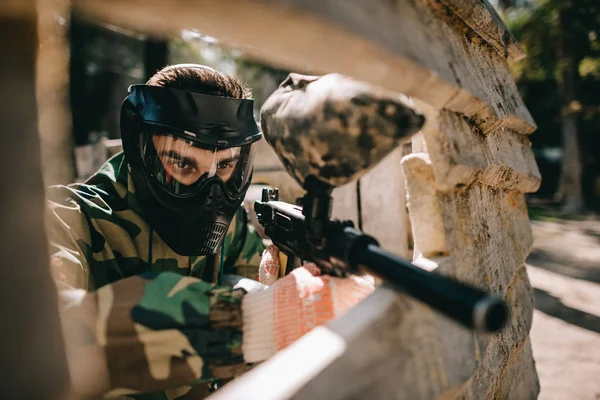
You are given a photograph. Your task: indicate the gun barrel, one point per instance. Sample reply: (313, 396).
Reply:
(470, 306)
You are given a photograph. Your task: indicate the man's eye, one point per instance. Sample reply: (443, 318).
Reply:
(182, 165)
(225, 165)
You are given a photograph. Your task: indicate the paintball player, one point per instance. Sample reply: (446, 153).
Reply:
(155, 261)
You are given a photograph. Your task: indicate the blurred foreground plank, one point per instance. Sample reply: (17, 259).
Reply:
(32, 353)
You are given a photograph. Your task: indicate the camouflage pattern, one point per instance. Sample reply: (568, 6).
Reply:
(334, 127)
(156, 323)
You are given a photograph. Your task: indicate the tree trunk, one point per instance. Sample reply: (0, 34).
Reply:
(570, 188)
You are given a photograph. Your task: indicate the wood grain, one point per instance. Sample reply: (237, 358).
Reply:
(345, 204)
(480, 16)
(383, 204)
(461, 154)
(408, 46)
(32, 351)
(55, 128)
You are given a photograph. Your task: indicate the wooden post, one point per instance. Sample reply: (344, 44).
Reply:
(32, 354)
(53, 93)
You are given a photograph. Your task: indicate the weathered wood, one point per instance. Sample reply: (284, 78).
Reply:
(481, 17)
(345, 204)
(461, 154)
(489, 233)
(387, 347)
(52, 93)
(347, 349)
(15, 9)
(425, 208)
(520, 373)
(401, 350)
(383, 204)
(439, 64)
(32, 353)
(498, 358)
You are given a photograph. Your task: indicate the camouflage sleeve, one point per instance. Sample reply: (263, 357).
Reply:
(144, 333)
(244, 246)
(153, 332)
(66, 226)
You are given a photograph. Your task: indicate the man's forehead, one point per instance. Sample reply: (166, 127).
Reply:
(170, 140)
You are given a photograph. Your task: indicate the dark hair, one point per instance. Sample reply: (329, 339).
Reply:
(200, 79)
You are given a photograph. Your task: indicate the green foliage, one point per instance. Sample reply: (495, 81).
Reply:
(539, 26)
(560, 36)
(551, 214)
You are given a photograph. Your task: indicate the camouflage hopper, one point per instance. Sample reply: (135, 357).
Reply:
(334, 127)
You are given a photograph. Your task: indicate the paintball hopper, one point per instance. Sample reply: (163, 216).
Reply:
(333, 127)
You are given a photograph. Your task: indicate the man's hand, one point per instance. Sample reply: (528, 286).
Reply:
(271, 264)
(293, 305)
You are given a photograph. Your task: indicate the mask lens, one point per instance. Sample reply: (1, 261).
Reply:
(181, 166)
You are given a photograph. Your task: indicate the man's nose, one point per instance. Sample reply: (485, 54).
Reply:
(208, 167)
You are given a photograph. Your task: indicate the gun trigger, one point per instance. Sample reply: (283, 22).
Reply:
(283, 260)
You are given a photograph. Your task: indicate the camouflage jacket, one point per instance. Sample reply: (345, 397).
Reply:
(156, 327)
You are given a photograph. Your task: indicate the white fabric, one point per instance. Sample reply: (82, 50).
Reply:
(257, 315)
(249, 285)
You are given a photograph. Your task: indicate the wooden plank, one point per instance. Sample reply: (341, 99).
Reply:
(489, 234)
(461, 154)
(52, 93)
(345, 204)
(520, 373)
(354, 356)
(425, 206)
(484, 235)
(482, 18)
(15, 9)
(383, 204)
(496, 370)
(407, 46)
(32, 352)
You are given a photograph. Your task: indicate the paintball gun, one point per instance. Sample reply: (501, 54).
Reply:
(301, 121)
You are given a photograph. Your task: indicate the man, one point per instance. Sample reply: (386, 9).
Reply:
(146, 251)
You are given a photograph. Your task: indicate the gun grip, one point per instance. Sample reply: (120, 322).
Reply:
(283, 264)
(290, 262)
